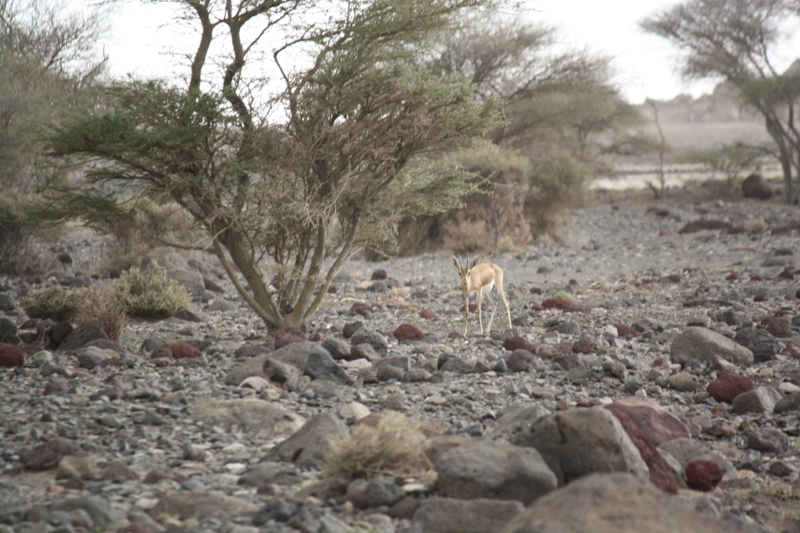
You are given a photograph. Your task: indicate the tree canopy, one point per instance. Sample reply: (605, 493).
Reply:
(302, 170)
(737, 41)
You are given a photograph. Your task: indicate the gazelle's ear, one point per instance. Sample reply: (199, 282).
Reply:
(456, 262)
(474, 262)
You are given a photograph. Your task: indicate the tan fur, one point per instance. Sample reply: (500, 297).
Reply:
(481, 279)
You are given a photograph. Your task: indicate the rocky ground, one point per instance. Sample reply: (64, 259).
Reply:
(647, 348)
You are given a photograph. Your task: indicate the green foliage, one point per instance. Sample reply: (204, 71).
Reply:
(731, 160)
(395, 446)
(360, 146)
(149, 293)
(558, 177)
(49, 62)
(13, 238)
(738, 42)
(53, 302)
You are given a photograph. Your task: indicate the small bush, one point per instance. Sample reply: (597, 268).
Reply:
(53, 302)
(756, 226)
(99, 306)
(19, 253)
(396, 446)
(149, 293)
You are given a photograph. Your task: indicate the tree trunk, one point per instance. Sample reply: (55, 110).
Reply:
(778, 134)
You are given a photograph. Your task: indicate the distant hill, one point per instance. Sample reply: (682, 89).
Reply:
(706, 122)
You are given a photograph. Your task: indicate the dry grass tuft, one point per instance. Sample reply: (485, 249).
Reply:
(756, 226)
(396, 446)
(53, 302)
(149, 293)
(100, 306)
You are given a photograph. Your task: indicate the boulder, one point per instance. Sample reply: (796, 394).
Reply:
(703, 344)
(494, 469)
(583, 441)
(612, 503)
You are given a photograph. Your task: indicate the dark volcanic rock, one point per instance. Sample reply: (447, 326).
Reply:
(703, 475)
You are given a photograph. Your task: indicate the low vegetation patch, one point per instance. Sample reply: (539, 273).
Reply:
(53, 302)
(99, 305)
(148, 293)
(394, 446)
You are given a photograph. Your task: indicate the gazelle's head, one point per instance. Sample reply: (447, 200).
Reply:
(464, 270)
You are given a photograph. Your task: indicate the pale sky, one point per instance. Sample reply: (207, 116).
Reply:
(644, 63)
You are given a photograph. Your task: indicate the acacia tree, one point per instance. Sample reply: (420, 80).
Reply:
(49, 59)
(552, 99)
(355, 146)
(736, 41)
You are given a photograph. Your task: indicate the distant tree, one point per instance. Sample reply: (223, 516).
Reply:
(49, 58)
(736, 41)
(553, 100)
(348, 142)
(732, 160)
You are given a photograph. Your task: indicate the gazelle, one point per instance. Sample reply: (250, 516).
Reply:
(481, 279)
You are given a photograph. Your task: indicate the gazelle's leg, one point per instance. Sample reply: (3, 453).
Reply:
(492, 301)
(503, 297)
(480, 320)
(466, 312)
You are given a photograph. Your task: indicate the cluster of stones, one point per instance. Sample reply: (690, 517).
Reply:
(565, 427)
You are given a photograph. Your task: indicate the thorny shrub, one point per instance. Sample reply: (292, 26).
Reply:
(395, 446)
(149, 293)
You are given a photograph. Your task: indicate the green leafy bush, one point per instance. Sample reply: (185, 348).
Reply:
(395, 445)
(53, 302)
(149, 293)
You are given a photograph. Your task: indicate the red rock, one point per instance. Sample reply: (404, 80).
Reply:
(778, 327)
(567, 361)
(163, 472)
(47, 454)
(360, 309)
(703, 475)
(759, 298)
(786, 274)
(405, 508)
(182, 350)
(584, 345)
(623, 330)
(30, 323)
(289, 335)
(659, 475)
(211, 285)
(655, 422)
(705, 224)
(10, 355)
(333, 289)
(728, 386)
(792, 352)
(357, 497)
(378, 274)
(408, 332)
(427, 314)
(556, 303)
(733, 276)
(521, 361)
(515, 342)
